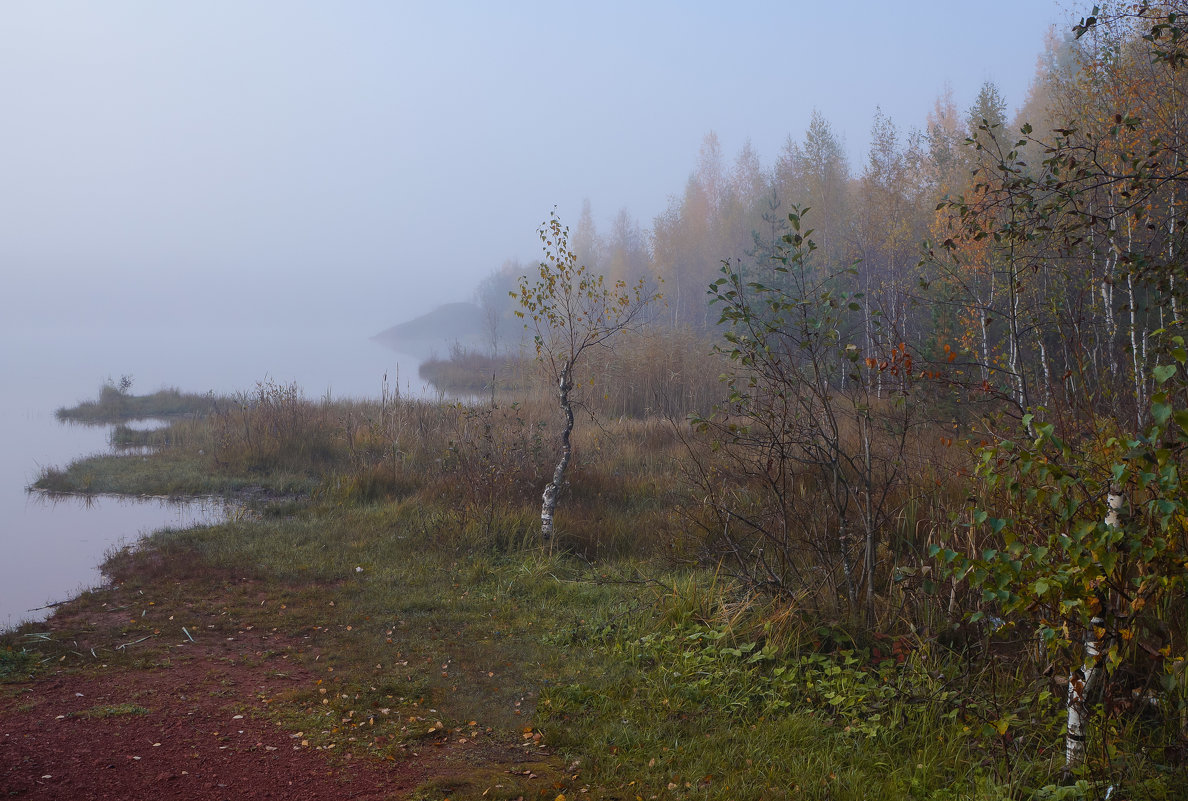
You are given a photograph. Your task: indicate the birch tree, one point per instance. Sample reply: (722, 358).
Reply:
(572, 311)
(1078, 533)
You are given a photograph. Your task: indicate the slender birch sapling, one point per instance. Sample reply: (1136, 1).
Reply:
(571, 311)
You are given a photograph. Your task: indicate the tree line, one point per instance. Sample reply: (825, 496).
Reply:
(955, 235)
(1015, 284)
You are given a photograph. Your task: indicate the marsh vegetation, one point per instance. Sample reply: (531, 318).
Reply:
(650, 653)
(117, 404)
(889, 505)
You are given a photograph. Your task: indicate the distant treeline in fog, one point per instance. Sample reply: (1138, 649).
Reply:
(910, 228)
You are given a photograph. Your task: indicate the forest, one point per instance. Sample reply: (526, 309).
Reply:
(853, 480)
(952, 376)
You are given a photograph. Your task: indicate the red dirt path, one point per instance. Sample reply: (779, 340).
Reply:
(200, 739)
(204, 735)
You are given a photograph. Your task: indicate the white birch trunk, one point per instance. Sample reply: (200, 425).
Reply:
(1046, 397)
(548, 504)
(1108, 291)
(1082, 680)
(1107, 302)
(987, 308)
(1080, 683)
(1171, 225)
(1013, 331)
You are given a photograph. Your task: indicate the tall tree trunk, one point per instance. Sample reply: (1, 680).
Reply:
(868, 518)
(1171, 225)
(1107, 290)
(1022, 396)
(1137, 356)
(1046, 389)
(549, 499)
(984, 315)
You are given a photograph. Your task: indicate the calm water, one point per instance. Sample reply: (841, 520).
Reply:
(51, 550)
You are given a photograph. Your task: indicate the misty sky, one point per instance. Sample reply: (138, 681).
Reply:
(350, 164)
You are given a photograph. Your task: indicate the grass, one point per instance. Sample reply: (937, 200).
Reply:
(17, 664)
(111, 711)
(167, 475)
(424, 633)
(613, 671)
(407, 577)
(634, 679)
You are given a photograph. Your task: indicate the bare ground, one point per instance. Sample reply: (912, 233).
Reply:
(191, 720)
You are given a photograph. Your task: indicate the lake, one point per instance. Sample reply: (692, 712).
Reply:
(52, 549)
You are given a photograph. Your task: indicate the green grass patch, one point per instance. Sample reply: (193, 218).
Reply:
(693, 710)
(17, 664)
(110, 711)
(171, 474)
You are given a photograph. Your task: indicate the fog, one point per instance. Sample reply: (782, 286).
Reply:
(347, 165)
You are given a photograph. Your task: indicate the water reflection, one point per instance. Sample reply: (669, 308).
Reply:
(146, 424)
(181, 512)
(55, 541)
